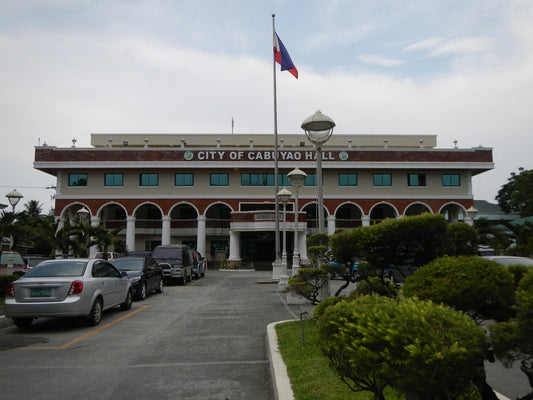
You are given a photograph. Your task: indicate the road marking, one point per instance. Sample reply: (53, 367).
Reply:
(87, 335)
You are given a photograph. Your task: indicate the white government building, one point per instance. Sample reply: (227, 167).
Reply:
(216, 192)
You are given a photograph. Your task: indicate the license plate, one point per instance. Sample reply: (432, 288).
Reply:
(41, 292)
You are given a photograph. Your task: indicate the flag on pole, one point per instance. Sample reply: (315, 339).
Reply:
(282, 57)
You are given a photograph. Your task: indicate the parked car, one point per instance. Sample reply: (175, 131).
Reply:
(19, 265)
(144, 273)
(110, 255)
(511, 260)
(199, 264)
(67, 288)
(176, 261)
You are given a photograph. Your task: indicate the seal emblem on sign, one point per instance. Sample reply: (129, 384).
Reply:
(188, 155)
(343, 155)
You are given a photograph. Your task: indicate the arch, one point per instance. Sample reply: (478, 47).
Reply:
(381, 211)
(70, 210)
(311, 214)
(112, 215)
(179, 205)
(216, 204)
(417, 208)
(139, 206)
(453, 211)
(348, 215)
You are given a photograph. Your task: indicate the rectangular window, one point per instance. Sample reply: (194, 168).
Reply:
(184, 180)
(348, 179)
(257, 179)
(113, 179)
(283, 180)
(416, 179)
(219, 180)
(149, 180)
(77, 179)
(382, 180)
(310, 180)
(451, 180)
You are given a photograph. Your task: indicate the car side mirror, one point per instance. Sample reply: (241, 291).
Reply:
(123, 273)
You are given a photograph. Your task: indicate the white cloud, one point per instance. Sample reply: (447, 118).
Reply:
(379, 60)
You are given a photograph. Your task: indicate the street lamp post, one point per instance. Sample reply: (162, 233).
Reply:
(296, 178)
(472, 213)
(318, 129)
(13, 197)
(283, 196)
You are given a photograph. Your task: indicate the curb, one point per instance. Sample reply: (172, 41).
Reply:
(280, 378)
(278, 370)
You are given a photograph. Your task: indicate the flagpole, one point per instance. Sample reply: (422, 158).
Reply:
(277, 262)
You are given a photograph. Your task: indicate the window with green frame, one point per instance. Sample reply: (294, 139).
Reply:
(348, 179)
(219, 179)
(416, 179)
(256, 179)
(113, 179)
(149, 179)
(310, 180)
(382, 179)
(184, 179)
(77, 179)
(451, 180)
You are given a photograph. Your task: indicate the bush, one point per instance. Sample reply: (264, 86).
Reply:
(308, 283)
(481, 288)
(374, 342)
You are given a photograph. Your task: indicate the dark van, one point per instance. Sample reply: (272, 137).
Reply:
(176, 261)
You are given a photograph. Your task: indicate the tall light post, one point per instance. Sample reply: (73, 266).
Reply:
(283, 196)
(318, 129)
(13, 197)
(296, 178)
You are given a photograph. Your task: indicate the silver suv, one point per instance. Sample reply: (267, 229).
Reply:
(176, 261)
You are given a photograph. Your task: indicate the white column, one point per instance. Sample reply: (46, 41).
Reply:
(234, 246)
(201, 235)
(95, 221)
(302, 244)
(331, 225)
(365, 220)
(130, 233)
(165, 229)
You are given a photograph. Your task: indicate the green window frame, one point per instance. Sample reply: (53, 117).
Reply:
(216, 179)
(416, 179)
(77, 179)
(348, 179)
(149, 179)
(310, 180)
(382, 179)
(113, 179)
(451, 180)
(256, 179)
(184, 179)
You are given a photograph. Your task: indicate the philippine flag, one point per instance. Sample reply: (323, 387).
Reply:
(282, 57)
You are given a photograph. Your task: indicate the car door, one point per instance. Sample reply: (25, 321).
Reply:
(111, 283)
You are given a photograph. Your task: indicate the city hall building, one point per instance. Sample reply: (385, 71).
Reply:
(217, 192)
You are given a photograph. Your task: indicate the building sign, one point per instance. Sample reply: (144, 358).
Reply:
(262, 155)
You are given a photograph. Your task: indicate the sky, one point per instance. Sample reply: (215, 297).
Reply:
(461, 70)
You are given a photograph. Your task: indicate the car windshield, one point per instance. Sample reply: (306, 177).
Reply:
(167, 253)
(129, 264)
(57, 269)
(17, 259)
(515, 261)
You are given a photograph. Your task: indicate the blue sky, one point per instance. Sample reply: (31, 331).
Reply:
(462, 70)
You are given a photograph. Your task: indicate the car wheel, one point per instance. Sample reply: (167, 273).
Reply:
(142, 292)
(184, 279)
(23, 322)
(159, 288)
(127, 304)
(95, 315)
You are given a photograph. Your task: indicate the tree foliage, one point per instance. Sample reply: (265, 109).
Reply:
(374, 341)
(517, 194)
(481, 288)
(308, 283)
(513, 340)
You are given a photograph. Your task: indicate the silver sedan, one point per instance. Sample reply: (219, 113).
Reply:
(67, 288)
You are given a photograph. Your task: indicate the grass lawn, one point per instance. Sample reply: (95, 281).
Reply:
(309, 372)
